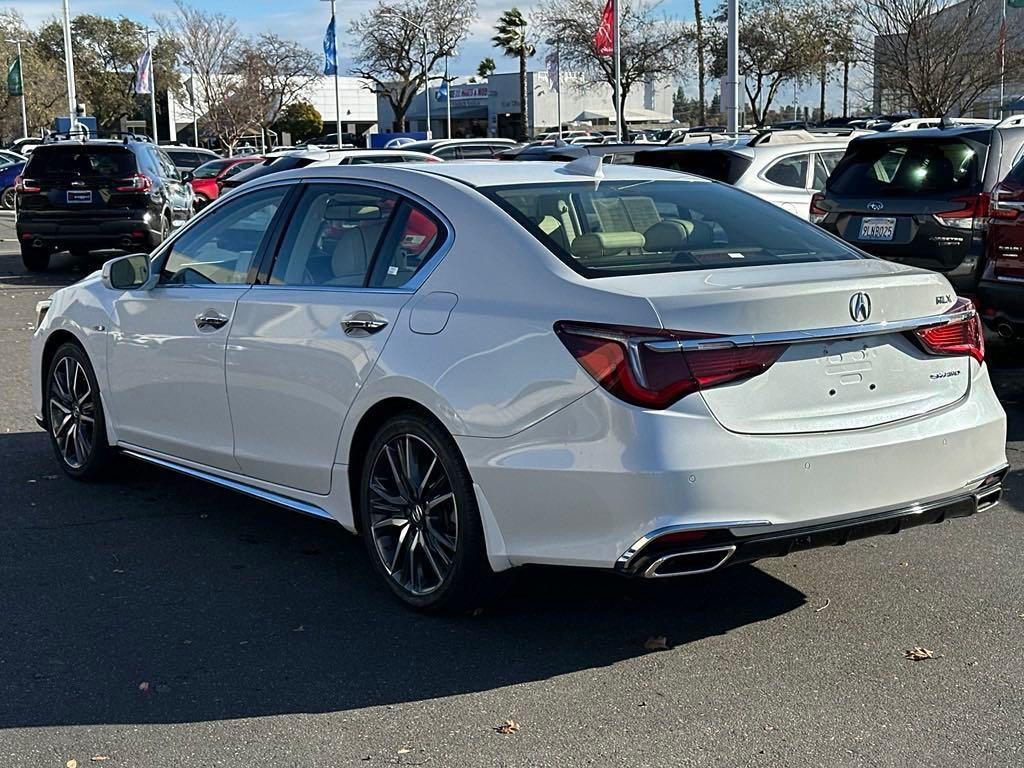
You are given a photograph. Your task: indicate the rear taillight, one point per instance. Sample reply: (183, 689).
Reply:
(972, 213)
(636, 366)
(1005, 202)
(138, 182)
(960, 338)
(817, 214)
(26, 186)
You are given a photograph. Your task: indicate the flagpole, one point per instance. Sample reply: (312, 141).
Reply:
(1002, 62)
(69, 67)
(558, 82)
(448, 96)
(617, 53)
(152, 87)
(732, 77)
(21, 73)
(192, 94)
(337, 82)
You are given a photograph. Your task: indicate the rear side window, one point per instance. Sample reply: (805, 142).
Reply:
(74, 159)
(640, 227)
(789, 171)
(718, 165)
(907, 168)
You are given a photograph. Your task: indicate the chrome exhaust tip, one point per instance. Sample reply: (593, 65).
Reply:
(690, 563)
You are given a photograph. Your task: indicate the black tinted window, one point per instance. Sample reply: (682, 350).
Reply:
(719, 165)
(789, 171)
(73, 159)
(907, 168)
(638, 227)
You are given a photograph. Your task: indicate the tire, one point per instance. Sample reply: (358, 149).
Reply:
(435, 559)
(155, 238)
(73, 414)
(7, 199)
(35, 259)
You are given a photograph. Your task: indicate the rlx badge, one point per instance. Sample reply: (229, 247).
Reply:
(944, 299)
(860, 307)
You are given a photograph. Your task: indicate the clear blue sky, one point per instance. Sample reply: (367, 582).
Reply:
(305, 21)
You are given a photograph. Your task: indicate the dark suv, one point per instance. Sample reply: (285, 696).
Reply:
(82, 196)
(920, 197)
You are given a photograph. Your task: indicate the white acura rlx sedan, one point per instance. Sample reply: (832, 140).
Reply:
(485, 365)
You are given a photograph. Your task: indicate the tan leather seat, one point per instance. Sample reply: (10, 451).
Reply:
(353, 252)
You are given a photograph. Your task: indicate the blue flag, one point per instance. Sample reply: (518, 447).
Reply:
(330, 50)
(442, 91)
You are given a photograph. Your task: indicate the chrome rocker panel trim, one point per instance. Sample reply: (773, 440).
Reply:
(234, 485)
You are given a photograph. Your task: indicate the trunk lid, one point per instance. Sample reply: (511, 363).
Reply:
(845, 383)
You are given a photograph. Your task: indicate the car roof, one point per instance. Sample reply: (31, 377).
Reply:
(933, 133)
(492, 173)
(428, 144)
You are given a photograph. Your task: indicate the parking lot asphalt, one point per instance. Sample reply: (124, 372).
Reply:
(158, 621)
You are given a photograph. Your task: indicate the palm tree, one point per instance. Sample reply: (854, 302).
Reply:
(486, 67)
(512, 41)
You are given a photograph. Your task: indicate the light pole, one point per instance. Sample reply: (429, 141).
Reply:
(21, 71)
(192, 102)
(422, 27)
(732, 77)
(337, 84)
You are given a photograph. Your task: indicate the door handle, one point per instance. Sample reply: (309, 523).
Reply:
(363, 323)
(211, 320)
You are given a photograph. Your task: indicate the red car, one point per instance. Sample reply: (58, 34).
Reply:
(1001, 290)
(207, 179)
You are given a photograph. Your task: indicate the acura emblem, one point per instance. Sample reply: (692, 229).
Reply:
(875, 206)
(860, 307)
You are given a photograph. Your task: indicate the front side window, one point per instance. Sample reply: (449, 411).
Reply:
(645, 226)
(221, 248)
(789, 171)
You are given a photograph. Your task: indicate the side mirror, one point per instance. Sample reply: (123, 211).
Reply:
(187, 176)
(126, 272)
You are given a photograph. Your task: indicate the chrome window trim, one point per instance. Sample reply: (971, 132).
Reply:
(812, 335)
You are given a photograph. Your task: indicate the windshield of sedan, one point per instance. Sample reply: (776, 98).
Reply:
(640, 227)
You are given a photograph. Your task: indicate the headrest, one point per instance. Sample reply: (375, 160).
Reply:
(344, 212)
(671, 235)
(594, 245)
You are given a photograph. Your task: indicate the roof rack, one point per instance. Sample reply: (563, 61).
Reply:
(75, 134)
(701, 138)
(803, 135)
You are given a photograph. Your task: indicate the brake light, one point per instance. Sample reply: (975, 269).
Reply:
(626, 362)
(963, 338)
(818, 213)
(26, 186)
(971, 214)
(1005, 202)
(138, 182)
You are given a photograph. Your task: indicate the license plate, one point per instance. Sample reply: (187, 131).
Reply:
(877, 228)
(79, 195)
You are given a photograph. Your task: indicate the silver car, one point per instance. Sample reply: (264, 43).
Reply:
(783, 167)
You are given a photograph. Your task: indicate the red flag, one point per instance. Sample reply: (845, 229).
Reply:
(604, 38)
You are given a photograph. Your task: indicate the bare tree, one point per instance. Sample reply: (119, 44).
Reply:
(281, 70)
(653, 45)
(779, 42)
(391, 41)
(936, 56)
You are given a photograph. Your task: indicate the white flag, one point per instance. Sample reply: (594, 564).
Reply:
(142, 82)
(553, 73)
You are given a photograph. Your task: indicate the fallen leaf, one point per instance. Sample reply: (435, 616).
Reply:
(143, 686)
(917, 653)
(71, 764)
(99, 758)
(404, 751)
(658, 643)
(509, 726)
(904, 564)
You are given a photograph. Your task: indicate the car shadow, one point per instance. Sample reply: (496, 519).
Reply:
(159, 598)
(64, 269)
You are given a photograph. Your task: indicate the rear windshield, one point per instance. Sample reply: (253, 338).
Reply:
(719, 165)
(907, 168)
(640, 227)
(210, 170)
(60, 160)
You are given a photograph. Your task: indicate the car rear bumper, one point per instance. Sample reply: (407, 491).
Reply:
(685, 551)
(55, 231)
(1001, 302)
(585, 484)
